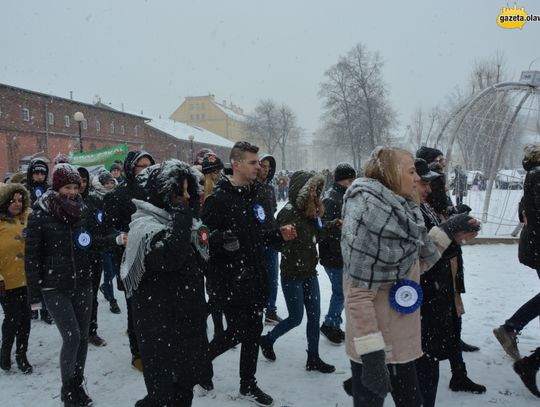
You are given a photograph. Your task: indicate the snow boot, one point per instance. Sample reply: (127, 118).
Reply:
(46, 317)
(5, 357)
(81, 394)
(527, 368)
(272, 318)
(74, 394)
(97, 340)
(267, 348)
(465, 347)
(508, 341)
(332, 334)
(114, 308)
(23, 364)
(252, 393)
(461, 382)
(314, 363)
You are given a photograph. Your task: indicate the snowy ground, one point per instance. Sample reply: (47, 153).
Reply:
(496, 285)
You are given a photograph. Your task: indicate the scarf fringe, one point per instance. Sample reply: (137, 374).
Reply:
(134, 275)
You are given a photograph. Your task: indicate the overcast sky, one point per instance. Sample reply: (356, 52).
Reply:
(150, 54)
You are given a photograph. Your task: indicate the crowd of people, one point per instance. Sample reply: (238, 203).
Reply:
(185, 242)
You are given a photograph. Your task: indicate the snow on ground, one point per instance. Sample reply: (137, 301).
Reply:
(496, 286)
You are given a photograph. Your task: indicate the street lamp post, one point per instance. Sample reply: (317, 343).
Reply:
(79, 117)
(191, 137)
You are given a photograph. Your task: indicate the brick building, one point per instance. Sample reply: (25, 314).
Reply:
(33, 122)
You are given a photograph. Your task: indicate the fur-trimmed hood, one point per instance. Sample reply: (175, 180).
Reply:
(6, 193)
(532, 157)
(272, 170)
(300, 185)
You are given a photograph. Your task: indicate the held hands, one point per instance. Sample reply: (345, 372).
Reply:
(230, 241)
(375, 374)
(288, 232)
(461, 227)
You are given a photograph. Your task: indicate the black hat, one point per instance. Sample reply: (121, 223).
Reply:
(40, 167)
(428, 154)
(104, 177)
(344, 171)
(211, 163)
(423, 170)
(116, 166)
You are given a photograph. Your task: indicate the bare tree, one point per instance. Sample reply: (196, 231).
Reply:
(357, 111)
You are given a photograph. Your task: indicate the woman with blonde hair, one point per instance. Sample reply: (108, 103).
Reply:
(385, 247)
(299, 260)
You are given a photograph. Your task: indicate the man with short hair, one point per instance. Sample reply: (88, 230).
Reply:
(266, 195)
(236, 270)
(330, 252)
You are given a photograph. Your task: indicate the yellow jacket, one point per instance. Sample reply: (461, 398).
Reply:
(12, 239)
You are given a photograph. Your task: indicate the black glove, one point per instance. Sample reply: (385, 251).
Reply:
(375, 374)
(458, 223)
(230, 241)
(462, 208)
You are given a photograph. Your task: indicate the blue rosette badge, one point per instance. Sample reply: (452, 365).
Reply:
(99, 217)
(83, 239)
(406, 296)
(38, 192)
(259, 213)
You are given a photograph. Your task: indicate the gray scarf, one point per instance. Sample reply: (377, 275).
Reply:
(145, 223)
(383, 235)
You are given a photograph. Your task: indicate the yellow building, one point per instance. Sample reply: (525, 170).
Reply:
(224, 119)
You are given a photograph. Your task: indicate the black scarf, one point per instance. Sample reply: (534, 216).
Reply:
(62, 208)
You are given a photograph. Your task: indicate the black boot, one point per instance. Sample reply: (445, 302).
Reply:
(527, 368)
(267, 348)
(23, 364)
(461, 382)
(5, 357)
(347, 386)
(46, 317)
(68, 394)
(80, 392)
(465, 347)
(315, 363)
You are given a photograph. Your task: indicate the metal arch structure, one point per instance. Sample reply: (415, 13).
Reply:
(464, 110)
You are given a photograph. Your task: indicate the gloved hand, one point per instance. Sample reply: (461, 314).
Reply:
(462, 208)
(375, 374)
(458, 223)
(2, 288)
(230, 241)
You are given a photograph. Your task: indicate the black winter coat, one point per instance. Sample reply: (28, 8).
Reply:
(52, 257)
(266, 195)
(237, 278)
(529, 240)
(440, 336)
(330, 248)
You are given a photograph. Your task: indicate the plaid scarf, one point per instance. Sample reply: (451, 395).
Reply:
(383, 235)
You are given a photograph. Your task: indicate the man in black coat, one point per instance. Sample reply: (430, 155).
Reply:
(330, 252)
(529, 255)
(266, 195)
(118, 208)
(237, 273)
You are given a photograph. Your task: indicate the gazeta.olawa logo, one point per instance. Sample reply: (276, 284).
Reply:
(514, 17)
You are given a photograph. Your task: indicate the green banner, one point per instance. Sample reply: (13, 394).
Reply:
(105, 156)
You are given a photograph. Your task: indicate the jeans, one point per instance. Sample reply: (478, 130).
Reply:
(272, 271)
(108, 276)
(333, 318)
(525, 314)
(299, 294)
(71, 311)
(16, 325)
(405, 389)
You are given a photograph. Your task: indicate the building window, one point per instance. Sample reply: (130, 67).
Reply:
(197, 116)
(92, 146)
(98, 125)
(192, 117)
(26, 115)
(67, 120)
(50, 119)
(85, 124)
(112, 127)
(136, 130)
(203, 116)
(192, 107)
(122, 130)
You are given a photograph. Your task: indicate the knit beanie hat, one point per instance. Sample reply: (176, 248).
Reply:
(344, 171)
(211, 163)
(116, 166)
(61, 158)
(64, 174)
(428, 154)
(200, 155)
(104, 177)
(40, 167)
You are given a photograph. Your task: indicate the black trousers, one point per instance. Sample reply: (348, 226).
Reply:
(405, 389)
(244, 325)
(427, 370)
(16, 325)
(96, 279)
